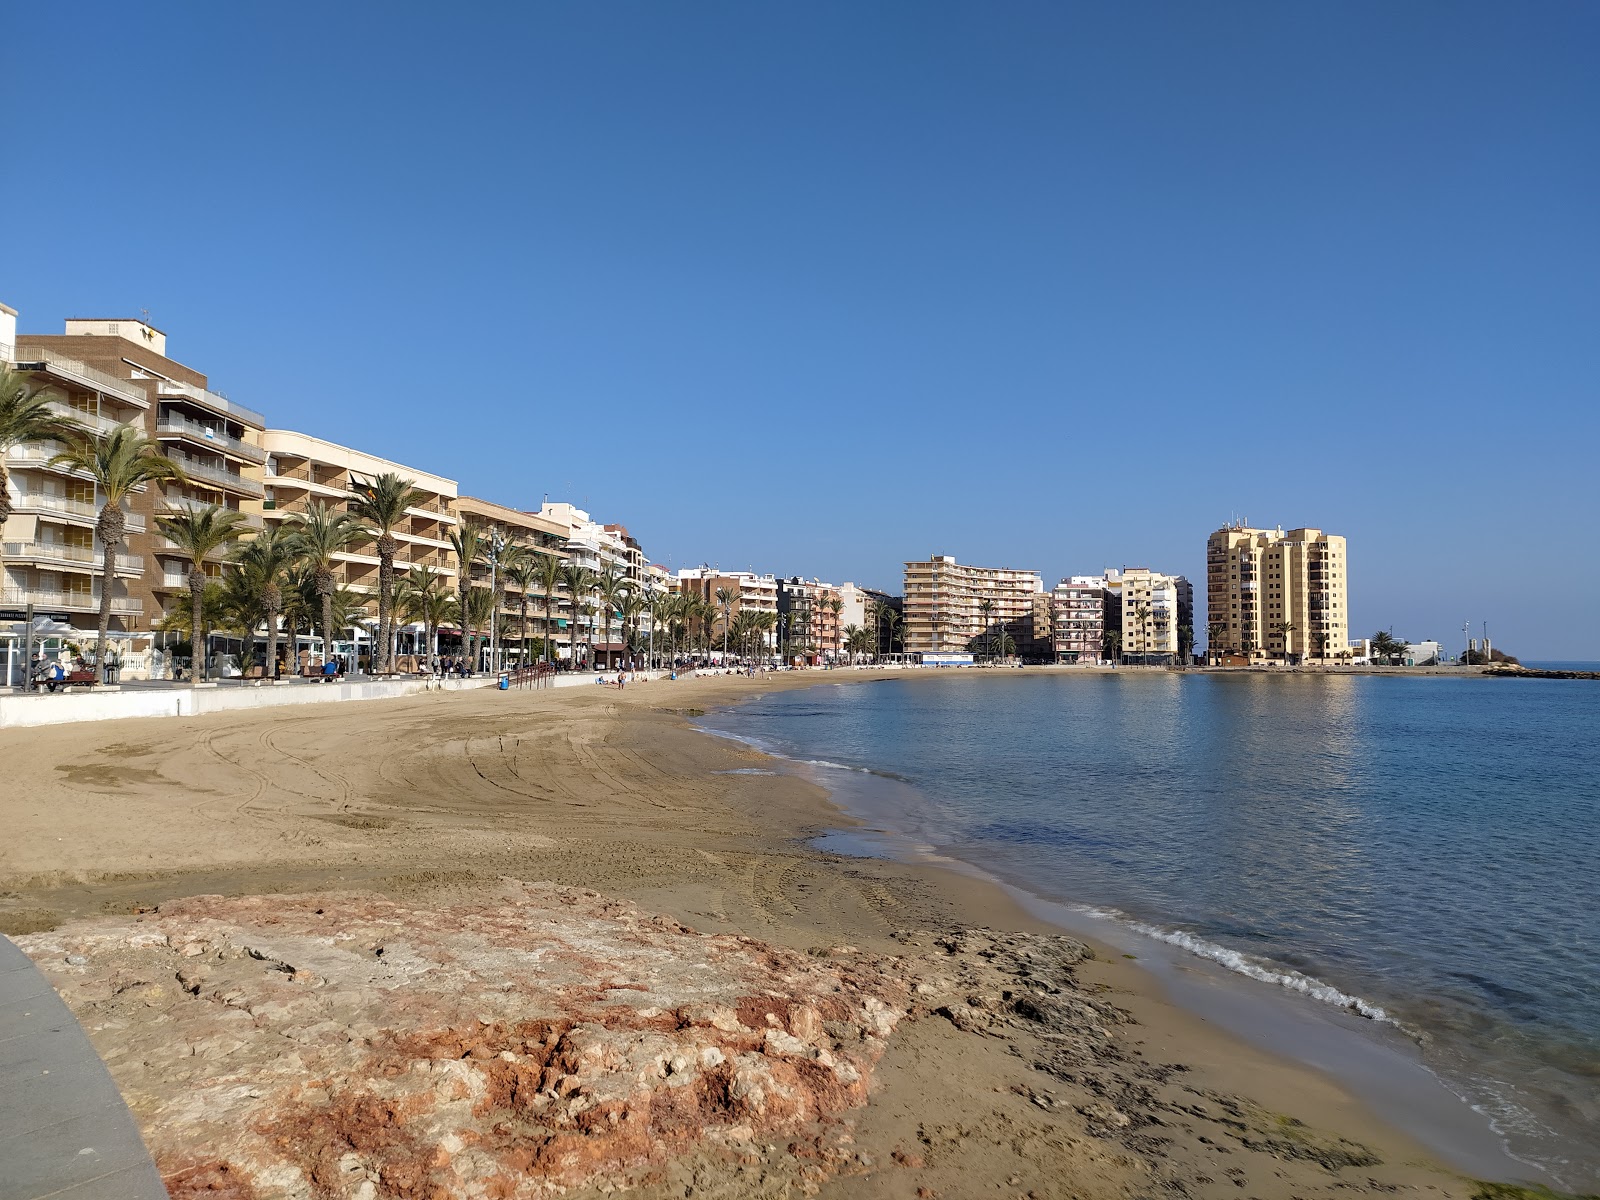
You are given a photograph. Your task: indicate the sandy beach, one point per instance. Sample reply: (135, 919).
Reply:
(1013, 1066)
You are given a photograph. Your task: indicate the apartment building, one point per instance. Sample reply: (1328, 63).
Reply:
(1078, 606)
(1272, 595)
(809, 622)
(301, 470)
(1157, 615)
(750, 592)
(947, 604)
(111, 372)
(539, 535)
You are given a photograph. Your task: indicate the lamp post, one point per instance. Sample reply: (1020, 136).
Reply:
(496, 545)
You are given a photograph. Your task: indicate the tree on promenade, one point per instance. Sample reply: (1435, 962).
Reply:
(610, 586)
(262, 565)
(579, 581)
(425, 597)
(725, 600)
(1283, 629)
(1111, 644)
(474, 610)
(118, 462)
(1185, 643)
(835, 607)
(320, 535)
(548, 574)
(522, 569)
(634, 605)
(468, 541)
(381, 502)
(1141, 618)
(1214, 632)
(1387, 648)
(199, 533)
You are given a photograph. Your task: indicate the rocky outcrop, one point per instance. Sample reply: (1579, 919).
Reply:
(353, 1048)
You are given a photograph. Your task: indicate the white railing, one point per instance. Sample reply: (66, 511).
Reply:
(33, 502)
(59, 552)
(196, 469)
(212, 437)
(73, 601)
(91, 420)
(171, 387)
(81, 373)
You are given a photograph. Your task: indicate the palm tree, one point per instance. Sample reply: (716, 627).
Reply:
(1283, 629)
(119, 461)
(474, 609)
(1141, 618)
(611, 585)
(321, 534)
(985, 613)
(633, 605)
(25, 418)
(381, 502)
(468, 541)
(263, 564)
(891, 618)
(522, 569)
(835, 607)
(200, 533)
(1111, 644)
(507, 556)
(425, 597)
(548, 573)
(301, 604)
(725, 599)
(662, 607)
(1214, 632)
(579, 581)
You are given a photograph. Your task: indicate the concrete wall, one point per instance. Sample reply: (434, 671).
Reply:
(21, 711)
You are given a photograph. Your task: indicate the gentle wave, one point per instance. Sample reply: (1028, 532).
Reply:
(1242, 964)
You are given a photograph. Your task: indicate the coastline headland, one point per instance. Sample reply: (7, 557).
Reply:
(565, 939)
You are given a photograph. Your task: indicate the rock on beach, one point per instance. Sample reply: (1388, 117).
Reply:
(543, 1038)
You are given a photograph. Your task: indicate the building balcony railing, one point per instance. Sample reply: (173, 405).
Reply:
(40, 358)
(216, 403)
(58, 552)
(74, 510)
(249, 520)
(206, 473)
(91, 421)
(204, 435)
(67, 601)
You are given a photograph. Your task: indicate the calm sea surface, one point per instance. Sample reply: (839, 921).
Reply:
(1425, 850)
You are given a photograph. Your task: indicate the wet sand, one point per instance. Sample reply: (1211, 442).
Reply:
(433, 797)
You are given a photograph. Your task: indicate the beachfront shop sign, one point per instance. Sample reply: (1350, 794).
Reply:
(946, 660)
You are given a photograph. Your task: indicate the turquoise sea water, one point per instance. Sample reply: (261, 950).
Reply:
(1425, 850)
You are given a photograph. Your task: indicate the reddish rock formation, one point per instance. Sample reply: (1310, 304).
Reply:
(349, 1047)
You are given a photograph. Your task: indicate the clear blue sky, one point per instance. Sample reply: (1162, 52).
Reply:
(818, 288)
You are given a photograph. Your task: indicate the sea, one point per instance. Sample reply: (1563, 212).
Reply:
(1414, 858)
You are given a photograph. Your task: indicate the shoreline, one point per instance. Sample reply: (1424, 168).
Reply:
(428, 798)
(1370, 1055)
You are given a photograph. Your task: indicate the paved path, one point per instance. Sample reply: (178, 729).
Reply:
(64, 1131)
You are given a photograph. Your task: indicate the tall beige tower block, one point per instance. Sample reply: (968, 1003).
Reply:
(1272, 595)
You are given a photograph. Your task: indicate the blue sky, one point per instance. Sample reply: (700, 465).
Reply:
(818, 288)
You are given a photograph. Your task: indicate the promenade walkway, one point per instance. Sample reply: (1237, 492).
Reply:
(65, 1132)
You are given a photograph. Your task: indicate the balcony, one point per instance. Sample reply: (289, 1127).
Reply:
(204, 473)
(250, 521)
(70, 370)
(66, 601)
(213, 401)
(91, 421)
(52, 553)
(70, 510)
(169, 427)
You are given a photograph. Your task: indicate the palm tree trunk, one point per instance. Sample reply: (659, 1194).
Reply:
(108, 569)
(270, 670)
(522, 658)
(327, 622)
(197, 616)
(385, 588)
(547, 630)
